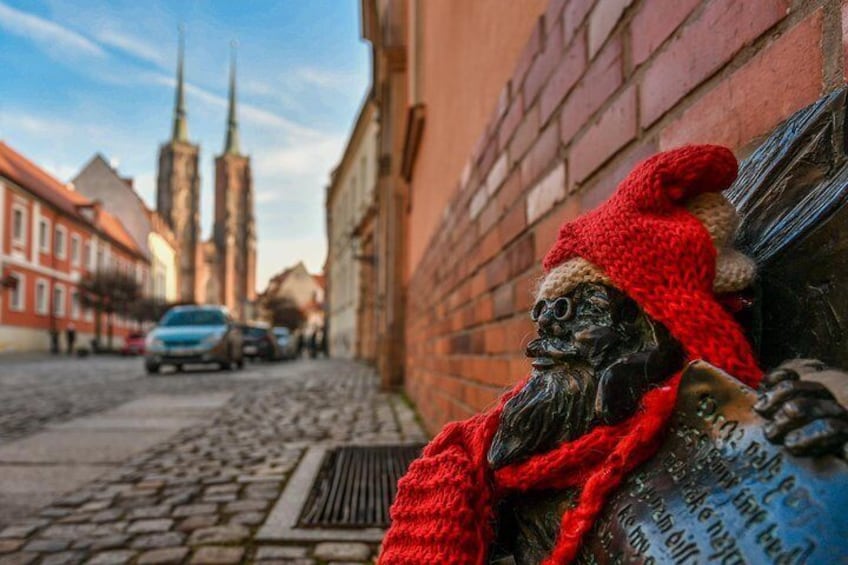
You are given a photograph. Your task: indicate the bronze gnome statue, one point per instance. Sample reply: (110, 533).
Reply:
(638, 436)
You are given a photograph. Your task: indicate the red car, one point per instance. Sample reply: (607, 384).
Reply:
(133, 345)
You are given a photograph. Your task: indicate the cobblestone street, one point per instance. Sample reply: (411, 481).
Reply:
(199, 495)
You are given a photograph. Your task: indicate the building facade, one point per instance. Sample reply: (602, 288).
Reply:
(222, 269)
(99, 181)
(494, 133)
(234, 233)
(306, 290)
(178, 190)
(50, 238)
(352, 260)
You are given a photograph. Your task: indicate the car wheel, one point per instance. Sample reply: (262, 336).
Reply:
(178, 368)
(152, 368)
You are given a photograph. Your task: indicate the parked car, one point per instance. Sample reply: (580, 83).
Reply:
(259, 342)
(134, 344)
(194, 334)
(285, 343)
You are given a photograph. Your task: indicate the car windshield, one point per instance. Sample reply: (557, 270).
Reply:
(254, 331)
(281, 332)
(194, 318)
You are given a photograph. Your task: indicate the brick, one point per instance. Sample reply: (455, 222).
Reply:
(481, 197)
(698, 52)
(615, 128)
(545, 194)
(525, 293)
(502, 299)
(528, 55)
(543, 153)
(546, 231)
(511, 190)
(602, 21)
(602, 187)
(544, 64)
(513, 223)
(653, 24)
(573, 15)
(553, 12)
(497, 271)
(602, 78)
(782, 78)
(525, 134)
(508, 125)
(497, 174)
(520, 254)
(564, 77)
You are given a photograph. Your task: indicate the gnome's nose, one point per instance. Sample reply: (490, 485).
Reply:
(549, 315)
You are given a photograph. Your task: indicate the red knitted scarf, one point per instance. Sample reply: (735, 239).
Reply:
(661, 256)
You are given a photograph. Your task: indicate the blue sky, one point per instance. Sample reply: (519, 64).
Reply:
(93, 76)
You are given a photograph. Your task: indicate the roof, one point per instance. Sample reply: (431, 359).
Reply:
(33, 178)
(39, 182)
(115, 230)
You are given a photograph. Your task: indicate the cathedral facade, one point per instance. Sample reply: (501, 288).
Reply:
(221, 269)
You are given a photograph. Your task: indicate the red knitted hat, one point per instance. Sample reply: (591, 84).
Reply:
(651, 246)
(645, 241)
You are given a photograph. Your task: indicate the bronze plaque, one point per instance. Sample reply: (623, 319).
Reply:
(718, 492)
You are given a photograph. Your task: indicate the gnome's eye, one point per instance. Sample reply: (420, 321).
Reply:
(537, 310)
(563, 309)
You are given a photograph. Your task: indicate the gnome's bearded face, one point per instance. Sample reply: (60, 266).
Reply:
(597, 351)
(596, 354)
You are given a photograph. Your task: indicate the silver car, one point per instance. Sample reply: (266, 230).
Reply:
(194, 334)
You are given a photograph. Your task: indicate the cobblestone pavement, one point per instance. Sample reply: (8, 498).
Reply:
(200, 496)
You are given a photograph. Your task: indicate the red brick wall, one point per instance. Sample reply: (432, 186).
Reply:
(598, 87)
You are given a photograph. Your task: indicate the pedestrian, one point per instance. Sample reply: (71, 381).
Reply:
(313, 345)
(54, 341)
(70, 337)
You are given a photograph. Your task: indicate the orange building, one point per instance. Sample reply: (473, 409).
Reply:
(50, 237)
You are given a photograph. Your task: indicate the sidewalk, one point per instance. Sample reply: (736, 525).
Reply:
(201, 496)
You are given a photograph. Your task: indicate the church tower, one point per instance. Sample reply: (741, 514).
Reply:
(178, 189)
(234, 232)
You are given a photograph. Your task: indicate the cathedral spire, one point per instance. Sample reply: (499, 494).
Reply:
(180, 124)
(231, 146)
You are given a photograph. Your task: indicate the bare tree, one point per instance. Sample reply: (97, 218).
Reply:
(283, 311)
(108, 292)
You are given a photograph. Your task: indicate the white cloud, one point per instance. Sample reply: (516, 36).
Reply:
(50, 36)
(304, 157)
(248, 112)
(132, 45)
(34, 125)
(324, 78)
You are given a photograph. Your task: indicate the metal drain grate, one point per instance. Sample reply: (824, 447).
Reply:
(356, 485)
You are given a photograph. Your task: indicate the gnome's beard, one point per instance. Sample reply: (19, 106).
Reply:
(557, 404)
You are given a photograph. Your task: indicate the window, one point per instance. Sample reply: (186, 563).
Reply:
(59, 300)
(75, 250)
(44, 235)
(89, 256)
(19, 228)
(75, 305)
(60, 248)
(41, 297)
(17, 294)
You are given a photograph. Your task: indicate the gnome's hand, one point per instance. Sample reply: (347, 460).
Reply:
(804, 415)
